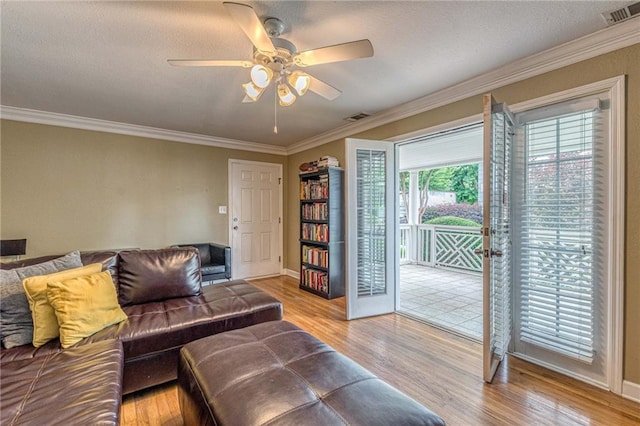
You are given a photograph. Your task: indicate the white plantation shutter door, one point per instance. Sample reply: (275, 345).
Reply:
(371, 253)
(496, 232)
(561, 227)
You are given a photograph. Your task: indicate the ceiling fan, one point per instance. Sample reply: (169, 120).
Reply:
(276, 59)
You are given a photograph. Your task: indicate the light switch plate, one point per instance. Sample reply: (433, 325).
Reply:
(222, 209)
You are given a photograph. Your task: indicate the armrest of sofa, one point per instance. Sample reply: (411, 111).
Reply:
(221, 255)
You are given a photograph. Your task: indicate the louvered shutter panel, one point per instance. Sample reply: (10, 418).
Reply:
(560, 247)
(371, 218)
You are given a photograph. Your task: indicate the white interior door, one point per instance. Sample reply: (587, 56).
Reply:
(255, 218)
(371, 236)
(496, 234)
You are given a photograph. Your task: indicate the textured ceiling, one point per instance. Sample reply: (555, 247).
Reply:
(107, 60)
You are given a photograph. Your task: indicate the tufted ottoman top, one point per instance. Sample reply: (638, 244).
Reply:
(275, 373)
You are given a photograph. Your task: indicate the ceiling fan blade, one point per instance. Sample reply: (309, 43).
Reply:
(246, 18)
(339, 52)
(323, 89)
(209, 63)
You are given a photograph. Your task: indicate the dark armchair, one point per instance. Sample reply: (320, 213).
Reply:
(215, 260)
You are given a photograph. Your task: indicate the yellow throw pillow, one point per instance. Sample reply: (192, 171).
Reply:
(84, 306)
(45, 323)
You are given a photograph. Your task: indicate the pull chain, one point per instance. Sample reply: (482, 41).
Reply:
(275, 110)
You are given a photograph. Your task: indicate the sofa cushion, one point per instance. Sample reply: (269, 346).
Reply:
(16, 324)
(212, 269)
(68, 261)
(78, 386)
(84, 305)
(205, 253)
(108, 259)
(153, 275)
(45, 323)
(171, 323)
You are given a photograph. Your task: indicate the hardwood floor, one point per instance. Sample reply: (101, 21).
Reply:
(441, 371)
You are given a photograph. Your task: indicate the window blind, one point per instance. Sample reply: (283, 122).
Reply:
(371, 219)
(560, 231)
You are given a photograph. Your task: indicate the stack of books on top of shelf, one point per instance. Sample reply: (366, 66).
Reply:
(328, 161)
(310, 167)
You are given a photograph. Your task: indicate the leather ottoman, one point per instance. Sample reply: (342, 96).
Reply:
(275, 373)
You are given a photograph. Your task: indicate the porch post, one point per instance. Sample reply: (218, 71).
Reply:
(412, 214)
(480, 183)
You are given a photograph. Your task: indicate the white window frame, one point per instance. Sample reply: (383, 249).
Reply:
(615, 88)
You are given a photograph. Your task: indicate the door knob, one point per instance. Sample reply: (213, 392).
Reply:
(235, 227)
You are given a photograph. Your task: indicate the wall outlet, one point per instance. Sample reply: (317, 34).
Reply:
(222, 209)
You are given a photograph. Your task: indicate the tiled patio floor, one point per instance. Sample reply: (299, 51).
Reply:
(448, 299)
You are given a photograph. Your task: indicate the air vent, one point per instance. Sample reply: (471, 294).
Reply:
(357, 117)
(623, 14)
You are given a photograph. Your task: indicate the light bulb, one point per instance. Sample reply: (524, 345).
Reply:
(286, 97)
(261, 76)
(252, 91)
(299, 81)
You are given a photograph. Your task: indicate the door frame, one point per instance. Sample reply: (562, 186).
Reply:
(230, 188)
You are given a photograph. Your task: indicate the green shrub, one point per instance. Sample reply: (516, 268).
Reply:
(468, 211)
(452, 221)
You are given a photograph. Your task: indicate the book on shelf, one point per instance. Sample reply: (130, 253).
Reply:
(314, 189)
(314, 279)
(315, 256)
(315, 232)
(315, 211)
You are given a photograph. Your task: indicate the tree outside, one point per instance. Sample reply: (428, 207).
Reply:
(462, 180)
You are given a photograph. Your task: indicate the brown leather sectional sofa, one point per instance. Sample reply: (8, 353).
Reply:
(162, 294)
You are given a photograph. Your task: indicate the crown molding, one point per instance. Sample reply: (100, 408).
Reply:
(85, 123)
(603, 41)
(592, 45)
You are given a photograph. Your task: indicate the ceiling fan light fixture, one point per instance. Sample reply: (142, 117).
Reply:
(300, 81)
(261, 76)
(252, 91)
(284, 94)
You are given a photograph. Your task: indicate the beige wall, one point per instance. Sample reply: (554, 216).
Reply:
(65, 189)
(624, 61)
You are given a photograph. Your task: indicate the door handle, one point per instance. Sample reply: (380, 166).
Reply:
(235, 227)
(496, 253)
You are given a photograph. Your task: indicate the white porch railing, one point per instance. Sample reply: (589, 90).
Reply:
(441, 246)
